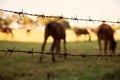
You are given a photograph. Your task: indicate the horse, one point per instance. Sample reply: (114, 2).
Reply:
(80, 31)
(28, 31)
(57, 31)
(106, 33)
(7, 31)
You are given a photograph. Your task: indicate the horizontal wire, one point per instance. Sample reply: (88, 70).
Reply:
(60, 17)
(49, 53)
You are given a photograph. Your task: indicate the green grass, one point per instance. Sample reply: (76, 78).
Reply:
(21, 66)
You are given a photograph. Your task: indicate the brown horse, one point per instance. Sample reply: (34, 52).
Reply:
(57, 31)
(106, 33)
(7, 31)
(28, 31)
(80, 31)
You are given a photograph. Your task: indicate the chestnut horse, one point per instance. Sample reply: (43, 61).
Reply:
(7, 31)
(106, 33)
(28, 31)
(57, 31)
(80, 31)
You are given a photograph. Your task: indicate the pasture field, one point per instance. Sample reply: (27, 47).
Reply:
(22, 66)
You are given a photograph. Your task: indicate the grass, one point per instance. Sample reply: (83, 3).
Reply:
(21, 66)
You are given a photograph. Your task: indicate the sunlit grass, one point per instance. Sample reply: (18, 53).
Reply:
(38, 36)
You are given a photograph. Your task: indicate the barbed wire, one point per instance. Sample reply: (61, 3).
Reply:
(22, 13)
(11, 51)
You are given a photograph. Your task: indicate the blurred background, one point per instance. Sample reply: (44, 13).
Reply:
(28, 28)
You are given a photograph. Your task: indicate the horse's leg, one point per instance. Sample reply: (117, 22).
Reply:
(6, 36)
(111, 47)
(77, 37)
(99, 43)
(65, 49)
(46, 35)
(89, 37)
(85, 37)
(105, 46)
(43, 47)
(53, 47)
(58, 47)
(12, 35)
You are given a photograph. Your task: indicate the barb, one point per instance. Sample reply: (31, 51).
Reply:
(31, 52)
(21, 14)
(11, 51)
(60, 17)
